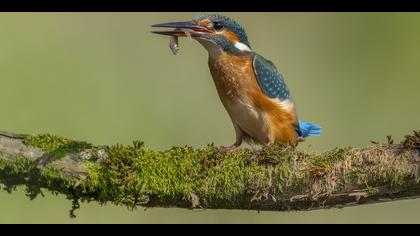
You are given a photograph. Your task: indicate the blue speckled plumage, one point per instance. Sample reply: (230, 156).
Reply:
(269, 79)
(273, 85)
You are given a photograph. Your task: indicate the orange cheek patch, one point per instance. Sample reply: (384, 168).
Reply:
(231, 36)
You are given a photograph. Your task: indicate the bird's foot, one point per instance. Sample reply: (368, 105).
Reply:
(228, 149)
(300, 139)
(255, 154)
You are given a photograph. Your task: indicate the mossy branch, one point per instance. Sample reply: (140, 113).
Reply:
(282, 178)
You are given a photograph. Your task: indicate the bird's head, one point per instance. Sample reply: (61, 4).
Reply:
(215, 32)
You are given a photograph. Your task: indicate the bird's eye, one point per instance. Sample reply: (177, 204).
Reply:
(218, 25)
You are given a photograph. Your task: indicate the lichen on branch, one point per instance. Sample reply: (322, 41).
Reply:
(282, 178)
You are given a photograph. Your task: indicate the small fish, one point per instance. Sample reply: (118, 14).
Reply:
(173, 41)
(173, 44)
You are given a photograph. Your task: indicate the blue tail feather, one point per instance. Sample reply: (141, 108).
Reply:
(308, 129)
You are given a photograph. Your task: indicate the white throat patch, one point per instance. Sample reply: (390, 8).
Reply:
(242, 46)
(215, 51)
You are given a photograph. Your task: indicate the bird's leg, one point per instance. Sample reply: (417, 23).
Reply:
(229, 149)
(235, 146)
(255, 154)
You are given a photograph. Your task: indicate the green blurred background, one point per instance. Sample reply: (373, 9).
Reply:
(104, 78)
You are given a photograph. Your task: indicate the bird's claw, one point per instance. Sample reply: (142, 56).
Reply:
(255, 154)
(228, 149)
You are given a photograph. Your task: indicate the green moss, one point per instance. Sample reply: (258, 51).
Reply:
(47, 142)
(224, 183)
(53, 143)
(220, 180)
(134, 175)
(396, 178)
(55, 146)
(330, 157)
(173, 175)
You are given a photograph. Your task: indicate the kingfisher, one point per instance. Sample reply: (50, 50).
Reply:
(250, 87)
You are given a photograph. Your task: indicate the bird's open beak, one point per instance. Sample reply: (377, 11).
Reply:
(181, 29)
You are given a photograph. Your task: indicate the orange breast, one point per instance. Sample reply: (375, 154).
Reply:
(235, 81)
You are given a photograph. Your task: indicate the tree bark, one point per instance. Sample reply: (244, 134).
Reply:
(281, 178)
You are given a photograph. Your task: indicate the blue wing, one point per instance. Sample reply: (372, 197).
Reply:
(269, 79)
(272, 84)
